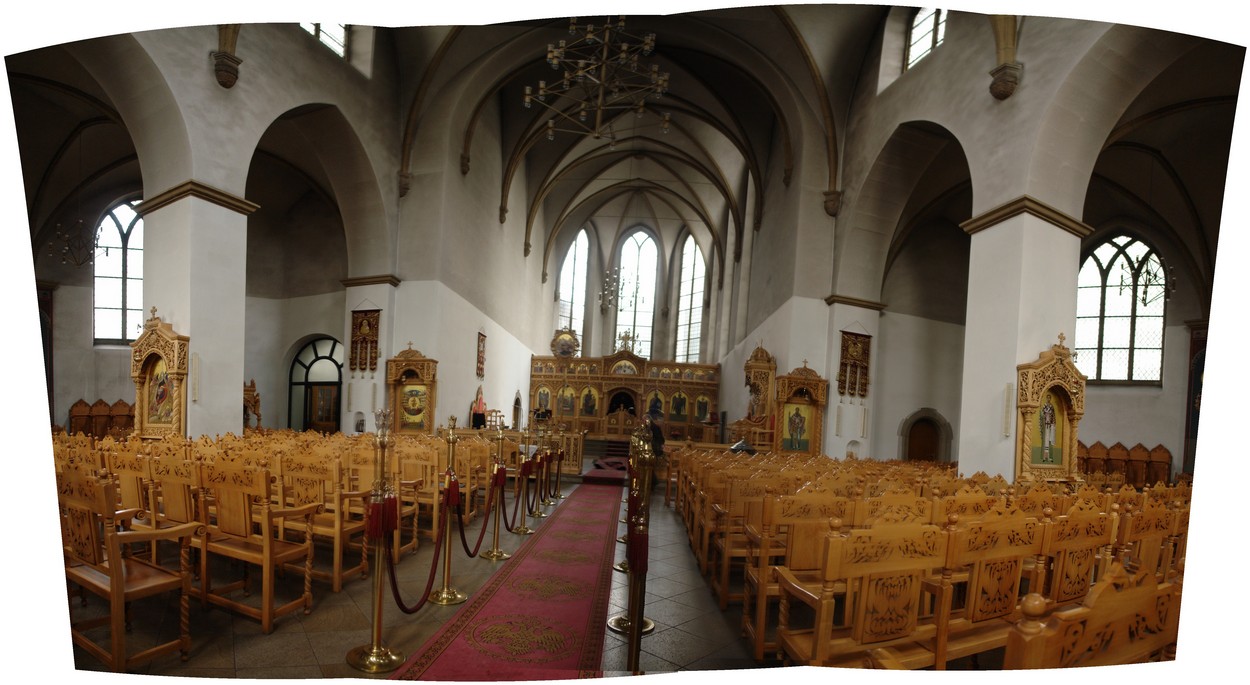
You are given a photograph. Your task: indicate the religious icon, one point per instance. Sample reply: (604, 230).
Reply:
(414, 401)
(588, 402)
(796, 427)
(701, 408)
(677, 407)
(160, 405)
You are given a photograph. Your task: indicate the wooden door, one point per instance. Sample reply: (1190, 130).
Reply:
(922, 441)
(321, 407)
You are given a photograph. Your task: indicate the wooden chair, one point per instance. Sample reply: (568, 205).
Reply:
(96, 560)
(732, 547)
(340, 516)
(245, 528)
(1126, 618)
(992, 552)
(1068, 563)
(879, 575)
(1144, 539)
(790, 536)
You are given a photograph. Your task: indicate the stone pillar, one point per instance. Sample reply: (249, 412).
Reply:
(1022, 276)
(364, 389)
(195, 274)
(848, 416)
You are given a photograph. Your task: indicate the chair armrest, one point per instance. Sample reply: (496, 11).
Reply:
(791, 585)
(305, 510)
(172, 533)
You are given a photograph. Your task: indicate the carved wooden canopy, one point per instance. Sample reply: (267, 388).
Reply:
(1055, 371)
(159, 346)
(804, 390)
(414, 406)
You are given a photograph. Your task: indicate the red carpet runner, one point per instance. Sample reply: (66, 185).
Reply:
(542, 616)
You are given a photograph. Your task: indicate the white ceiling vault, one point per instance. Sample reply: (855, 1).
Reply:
(745, 84)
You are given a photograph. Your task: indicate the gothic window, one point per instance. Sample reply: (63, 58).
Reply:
(690, 302)
(1121, 292)
(118, 262)
(636, 306)
(333, 36)
(571, 308)
(928, 29)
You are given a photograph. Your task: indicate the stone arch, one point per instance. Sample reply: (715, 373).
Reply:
(946, 434)
(916, 172)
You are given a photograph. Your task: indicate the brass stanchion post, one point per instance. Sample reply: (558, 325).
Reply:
(499, 483)
(448, 594)
(540, 476)
(523, 478)
(564, 453)
(633, 623)
(376, 657)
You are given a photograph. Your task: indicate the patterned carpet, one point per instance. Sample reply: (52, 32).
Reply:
(543, 615)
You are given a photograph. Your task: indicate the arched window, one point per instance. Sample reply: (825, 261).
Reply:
(316, 377)
(690, 302)
(638, 259)
(928, 29)
(333, 36)
(118, 307)
(572, 288)
(1121, 291)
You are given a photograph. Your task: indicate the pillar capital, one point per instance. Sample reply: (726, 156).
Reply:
(1031, 206)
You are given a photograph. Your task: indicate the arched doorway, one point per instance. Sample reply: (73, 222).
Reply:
(316, 380)
(926, 435)
(623, 399)
(922, 440)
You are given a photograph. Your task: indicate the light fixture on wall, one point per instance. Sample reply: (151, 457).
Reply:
(603, 77)
(77, 243)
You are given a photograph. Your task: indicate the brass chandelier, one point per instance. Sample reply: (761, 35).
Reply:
(603, 77)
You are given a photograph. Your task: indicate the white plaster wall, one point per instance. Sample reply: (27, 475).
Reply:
(444, 326)
(274, 331)
(795, 331)
(1150, 415)
(923, 367)
(83, 370)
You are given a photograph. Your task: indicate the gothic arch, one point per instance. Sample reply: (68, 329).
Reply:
(946, 435)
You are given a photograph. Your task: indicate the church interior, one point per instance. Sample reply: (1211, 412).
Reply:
(944, 277)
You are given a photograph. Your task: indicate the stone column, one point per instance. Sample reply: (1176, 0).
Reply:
(364, 389)
(195, 273)
(1022, 275)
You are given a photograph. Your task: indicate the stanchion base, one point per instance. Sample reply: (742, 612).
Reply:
(624, 539)
(538, 514)
(622, 566)
(522, 530)
(495, 554)
(371, 659)
(621, 624)
(448, 595)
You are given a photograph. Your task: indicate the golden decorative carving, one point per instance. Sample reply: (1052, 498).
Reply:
(412, 386)
(364, 346)
(1050, 398)
(158, 366)
(801, 399)
(853, 369)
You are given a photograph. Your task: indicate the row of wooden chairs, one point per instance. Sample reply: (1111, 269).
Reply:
(920, 596)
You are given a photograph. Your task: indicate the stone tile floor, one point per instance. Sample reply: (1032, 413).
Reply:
(691, 633)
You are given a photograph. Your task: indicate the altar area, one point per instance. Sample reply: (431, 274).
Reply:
(605, 397)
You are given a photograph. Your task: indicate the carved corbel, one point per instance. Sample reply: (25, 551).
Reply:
(225, 63)
(405, 182)
(833, 202)
(464, 163)
(503, 216)
(1006, 76)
